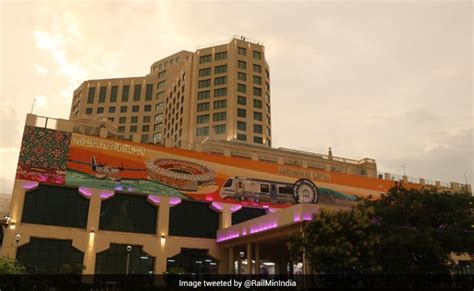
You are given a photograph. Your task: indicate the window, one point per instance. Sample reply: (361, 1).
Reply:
(146, 118)
(269, 142)
(149, 92)
(242, 65)
(121, 129)
(202, 131)
(257, 128)
(220, 129)
(100, 110)
(113, 94)
(241, 112)
(145, 128)
(89, 110)
(204, 72)
(54, 205)
(160, 95)
(257, 80)
(157, 127)
(112, 109)
(123, 109)
(205, 59)
(134, 119)
(241, 76)
(133, 128)
(220, 104)
(203, 107)
(147, 108)
(181, 221)
(157, 138)
(91, 95)
(193, 261)
(220, 92)
(267, 73)
(269, 132)
(242, 88)
(125, 93)
(257, 139)
(247, 213)
(128, 213)
(137, 92)
(257, 103)
(220, 81)
(204, 83)
(242, 51)
(241, 125)
(241, 100)
(219, 116)
(114, 261)
(257, 68)
(257, 115)
(122, 120)
(135, 108)
(202, 119)
(158, 117)
(161, 84)
(257, 91)
(242, 137)
(161, 74)
(204, 95)
(257, 55)
(220, 56)
(102, 93)
(220, 69)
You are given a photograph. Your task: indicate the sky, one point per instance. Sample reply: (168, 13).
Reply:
(381, 79)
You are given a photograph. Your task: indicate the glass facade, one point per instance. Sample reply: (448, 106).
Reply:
(114, 260)
(246, 213)
(182, 223)
(194, 261)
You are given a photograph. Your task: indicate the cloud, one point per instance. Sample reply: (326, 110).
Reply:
(9, 126)
(41, 101)
(40, 69)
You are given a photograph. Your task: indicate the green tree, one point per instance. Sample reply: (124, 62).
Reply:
(10, 266)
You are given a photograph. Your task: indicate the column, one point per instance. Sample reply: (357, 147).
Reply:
(249, 258)
(231, 260)
(257, 259)
(92, 229)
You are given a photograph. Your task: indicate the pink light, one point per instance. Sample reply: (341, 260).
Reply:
(263, 227)
(30, 185)
(209, 198)
(106, 195)
(296, 218)
(154, 199)
(266, 206)
(217, 206)
(174, 201)
(307, 217)
(271, 210)
(86, 192)
(227, 237)
(244, 232)
(235, 208)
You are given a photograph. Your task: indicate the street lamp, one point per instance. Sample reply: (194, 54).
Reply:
(129, 249)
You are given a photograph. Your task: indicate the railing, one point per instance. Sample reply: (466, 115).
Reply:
(326, 157)
(235, 36)
(414, 180)
(46, 122)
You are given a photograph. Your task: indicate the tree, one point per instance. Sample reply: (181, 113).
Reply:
(10, 266)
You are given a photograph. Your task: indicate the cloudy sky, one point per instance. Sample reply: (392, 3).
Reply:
(381, 79)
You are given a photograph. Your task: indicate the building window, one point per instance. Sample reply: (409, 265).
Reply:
(122, 120)
(146, 118)
(220, 104)
(242, 137)
(202, 131)
(241, 125)
(220, 69)
(121, 129)
(91, 95)
(113, 94)
(220, 56)
(220, 129)
(257, 55)
(205, 59)
(134, 119)
(137, 92)
(125, 93)
(257, 91)
(161, 84)
(202, 119)
(204, 83)
(242, 51)
(242, 88)
(257, 128)
(145, 128)
(242, 65)
(257, 103)
(241, 112)
(100, 110)
(160, 95)
(219, 116)
(181, 220)
(241, 100)
(247, 213)
(269, 142)
(157, 127)
(193, 261)
(220, 92)
(102, 93)
(147, 108)
(160, 106)
(123, 109)
(89, 110)
(204, 95)
(257, 80)
(133, 128)
(114, 261)
(257, 139)
(203, 107)
(241, 76)
(204, 72)
(220, 81)
(112, 109)
(267, 73)
(149, 92)
(157, 137)
(135, 108)
(257, 116)
(257, 68)
(161, 74)
(269, 132)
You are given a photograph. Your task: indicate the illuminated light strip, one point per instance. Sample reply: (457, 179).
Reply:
(235, 208)
(217, 206)
(154, 199)
(86, 192)
(263, 227)
(106, 195)
(305, 217)
(30, 185)
(174, 201)
(227, 237)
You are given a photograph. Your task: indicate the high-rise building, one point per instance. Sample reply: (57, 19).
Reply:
(220, 92)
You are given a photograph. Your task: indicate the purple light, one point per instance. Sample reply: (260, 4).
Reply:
(174, 201)
(227, 237)
(217, 206)
(266, 206)
(106, 195)
(271, 210)
(244, 232)
(86, 192)
(30, 185)
(296, 218)
(129, 189)
(118, 188)
(263, 227)
(307, 217)
(235, 207)
(154, 199)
